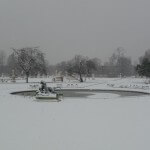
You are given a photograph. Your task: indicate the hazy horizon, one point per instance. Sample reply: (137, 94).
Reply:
(64, 28)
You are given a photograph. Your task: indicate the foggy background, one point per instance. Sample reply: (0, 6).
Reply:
(63, 28)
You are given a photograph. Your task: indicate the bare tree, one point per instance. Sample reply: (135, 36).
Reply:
(92, 65)
(124, 65)
(12, 64)
(119, 64)
(146, 56)
(2, 60)
(29, 59)
(143, 68)
(77, 66)
(61, 67)
(116, 55)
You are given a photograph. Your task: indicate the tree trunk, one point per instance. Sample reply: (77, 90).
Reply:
(81, 80)
(27, 77)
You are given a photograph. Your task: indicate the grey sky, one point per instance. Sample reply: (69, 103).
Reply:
(63, 28)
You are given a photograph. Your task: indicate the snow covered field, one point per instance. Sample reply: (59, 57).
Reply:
(103, 121)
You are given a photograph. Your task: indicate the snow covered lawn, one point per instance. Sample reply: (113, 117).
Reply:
(100, 122)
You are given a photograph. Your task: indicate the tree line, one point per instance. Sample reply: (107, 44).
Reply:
(117, 65)
(31, 61)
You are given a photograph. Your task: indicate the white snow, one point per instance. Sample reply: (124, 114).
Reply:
(102, 121)
(103, 96)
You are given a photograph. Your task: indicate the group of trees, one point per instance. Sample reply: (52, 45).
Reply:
(31, 61)
(25, 61)
(2, 61)
(118, 65)
(143, 68)
(79, 65)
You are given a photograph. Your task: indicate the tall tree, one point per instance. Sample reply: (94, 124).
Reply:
(61, 67)
(124, 65)
(12, 64)
(2, 60)
(91, 65)
(29, 59)
(143, 68)
(82, 66)
(2, 57)
(120, 63)
(77, 66)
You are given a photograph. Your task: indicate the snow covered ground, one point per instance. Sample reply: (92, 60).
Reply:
(101, 121)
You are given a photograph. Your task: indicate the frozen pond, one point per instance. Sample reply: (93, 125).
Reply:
(101, 121)
(85, 93)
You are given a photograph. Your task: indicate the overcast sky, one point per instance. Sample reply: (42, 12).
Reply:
(63, 28)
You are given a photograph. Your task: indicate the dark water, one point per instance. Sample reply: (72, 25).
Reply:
(83, 93)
